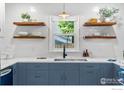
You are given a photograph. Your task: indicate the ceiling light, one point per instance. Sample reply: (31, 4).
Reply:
(63, 14)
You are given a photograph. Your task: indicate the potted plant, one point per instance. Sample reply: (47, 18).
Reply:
(105, 13)
(25, 16)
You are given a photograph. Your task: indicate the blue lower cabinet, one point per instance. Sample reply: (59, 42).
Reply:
(89, 77)
(63, 74)
(37, 77)
(56, 77)
(0, 81)
(63, 77)
(30, 74)
(6, 76)
(37, 74)
(89, 74)
(116, 71)
(109, 74)
(72, 77)
(19, 74)
(107, 70)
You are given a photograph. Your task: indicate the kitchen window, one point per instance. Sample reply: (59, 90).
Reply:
(64, 32)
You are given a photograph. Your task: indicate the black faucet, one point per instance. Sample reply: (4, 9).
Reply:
(64, 53)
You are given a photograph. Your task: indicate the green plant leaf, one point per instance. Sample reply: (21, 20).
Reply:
(66, 26)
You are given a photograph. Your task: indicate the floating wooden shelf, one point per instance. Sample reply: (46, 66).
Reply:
(100, 37)
(29, 37)
(29, 23)
(100, 24)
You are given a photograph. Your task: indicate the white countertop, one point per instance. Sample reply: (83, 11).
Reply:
(6, 63)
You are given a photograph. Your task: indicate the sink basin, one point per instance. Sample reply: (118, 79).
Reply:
(111, 60)
(70, 60)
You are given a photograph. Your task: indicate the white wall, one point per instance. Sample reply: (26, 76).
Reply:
(1, 17)
(36, 48)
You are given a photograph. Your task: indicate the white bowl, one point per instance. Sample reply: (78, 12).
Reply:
(36, 33)
(23, 33)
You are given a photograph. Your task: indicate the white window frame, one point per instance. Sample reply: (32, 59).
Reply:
(76, 34)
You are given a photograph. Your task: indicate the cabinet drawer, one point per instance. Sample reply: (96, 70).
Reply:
(37, 77)
(89, 66)
(37, 66)
(64, 66)
(71, 66)
(57, 66)
(90, 71)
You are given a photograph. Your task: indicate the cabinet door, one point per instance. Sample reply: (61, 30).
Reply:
(72, 74)
(57, 77)
(37, 74)
(15, 74)
(19, 74)
(37, 77)
(107, 70)
(116, 70)
(56, 73)
(89, 74)
(89, 77)
(64, 73)
(72, 77)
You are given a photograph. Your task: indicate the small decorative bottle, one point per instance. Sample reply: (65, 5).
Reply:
(85, 53)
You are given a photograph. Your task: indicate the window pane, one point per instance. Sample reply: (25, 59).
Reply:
(67, 40)
(66, 27)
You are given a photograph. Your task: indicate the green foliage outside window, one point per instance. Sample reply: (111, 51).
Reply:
(66, 26)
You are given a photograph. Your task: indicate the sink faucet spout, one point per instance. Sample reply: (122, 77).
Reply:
(64, 53)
